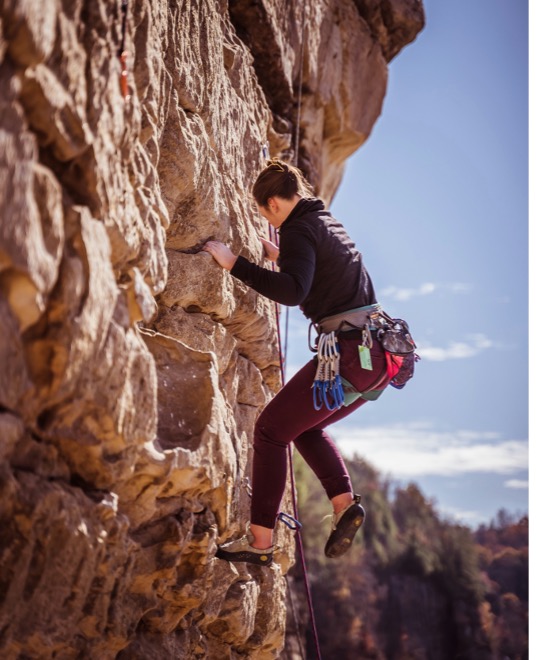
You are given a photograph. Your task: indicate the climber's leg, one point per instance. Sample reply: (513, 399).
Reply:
(287, 416)
(290, 416)
(322, 455)
(292, 413)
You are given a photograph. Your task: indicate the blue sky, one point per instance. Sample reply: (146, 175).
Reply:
(437, 202)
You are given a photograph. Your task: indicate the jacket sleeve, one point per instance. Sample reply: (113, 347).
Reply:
(292, 283)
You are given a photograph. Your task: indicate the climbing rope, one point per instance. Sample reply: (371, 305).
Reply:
(283, 346)
(292, 521)
(123, 54)
(282, 361)
(300, 87)
(293, 490)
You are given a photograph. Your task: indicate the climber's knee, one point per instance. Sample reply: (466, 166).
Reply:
(269, 430)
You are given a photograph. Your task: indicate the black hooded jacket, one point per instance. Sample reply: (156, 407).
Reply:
(320, 268)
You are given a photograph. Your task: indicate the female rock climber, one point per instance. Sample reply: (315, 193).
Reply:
(321, 270)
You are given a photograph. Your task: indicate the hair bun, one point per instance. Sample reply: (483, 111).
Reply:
(279, 178)
(278, 165)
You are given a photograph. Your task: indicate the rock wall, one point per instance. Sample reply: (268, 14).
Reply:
(132, 367)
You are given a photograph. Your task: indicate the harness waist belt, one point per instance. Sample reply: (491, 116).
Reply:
(352, 319)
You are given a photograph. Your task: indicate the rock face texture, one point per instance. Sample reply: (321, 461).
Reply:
(132, 368)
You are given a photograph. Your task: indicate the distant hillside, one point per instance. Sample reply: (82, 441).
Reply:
(414, 586)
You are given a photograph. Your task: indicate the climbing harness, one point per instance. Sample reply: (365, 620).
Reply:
(327, 385)
(123, 54)
(393, 335)
(353, 319)
(330, 389)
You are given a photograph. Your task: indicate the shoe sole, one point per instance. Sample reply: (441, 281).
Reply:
(245, 556)
(340, 539)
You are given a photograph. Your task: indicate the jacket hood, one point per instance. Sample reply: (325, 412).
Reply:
(303, 207)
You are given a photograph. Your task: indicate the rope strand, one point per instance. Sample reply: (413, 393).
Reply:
(283, 347)
(283, 360)
(296, 621)
(300, 86)
(301, 552)
(123, 54)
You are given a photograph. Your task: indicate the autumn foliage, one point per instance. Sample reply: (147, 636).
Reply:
(414, 585)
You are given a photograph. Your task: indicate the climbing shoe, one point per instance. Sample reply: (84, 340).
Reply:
(344, 527)
(241, 550)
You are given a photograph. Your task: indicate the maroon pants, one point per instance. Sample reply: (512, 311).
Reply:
(291, 417)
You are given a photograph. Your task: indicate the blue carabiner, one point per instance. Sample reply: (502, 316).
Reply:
(339, 389)
(317, 395)
(337, 393)
(325, 388)
(289, 521)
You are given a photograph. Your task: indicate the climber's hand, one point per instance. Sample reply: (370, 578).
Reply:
(221, 253)
(271, 250)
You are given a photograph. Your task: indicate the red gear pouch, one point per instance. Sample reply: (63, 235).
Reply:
(394, 362)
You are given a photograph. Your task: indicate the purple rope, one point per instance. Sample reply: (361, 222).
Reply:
(302, 557)
(282, 358)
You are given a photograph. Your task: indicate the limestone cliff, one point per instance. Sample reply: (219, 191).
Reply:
(132, 368)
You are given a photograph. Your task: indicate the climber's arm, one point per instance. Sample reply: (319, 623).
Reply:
(288, 287)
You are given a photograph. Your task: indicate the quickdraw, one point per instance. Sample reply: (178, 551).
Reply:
(327, 383)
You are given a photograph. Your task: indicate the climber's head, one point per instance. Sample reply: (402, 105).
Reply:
(278, 188)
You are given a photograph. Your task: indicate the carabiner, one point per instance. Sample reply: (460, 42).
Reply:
(289, 521)
(312, 348)
(339, 389)
(317, 395)
(325, 387)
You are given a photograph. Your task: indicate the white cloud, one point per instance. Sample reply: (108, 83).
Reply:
(398, 293)
(458, 287)
(516, 483)
(456, 350)
(425, 289)
(414, 450)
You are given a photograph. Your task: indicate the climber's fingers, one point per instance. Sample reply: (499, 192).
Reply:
(270, 249)
(221, 253)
